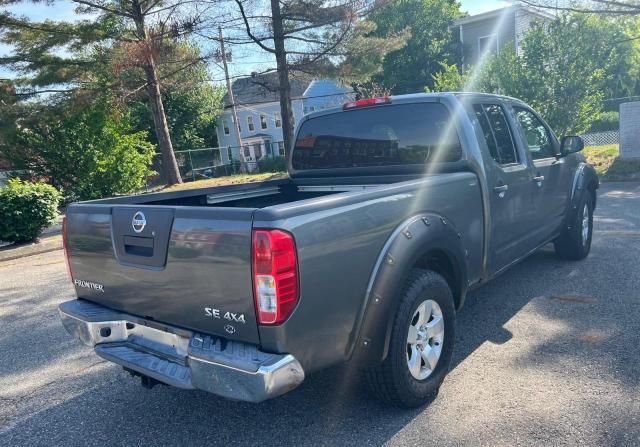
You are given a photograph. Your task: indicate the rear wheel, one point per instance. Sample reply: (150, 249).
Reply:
(421, 343)
(575, 242)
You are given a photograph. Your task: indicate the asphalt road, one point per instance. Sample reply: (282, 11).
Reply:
(547, 354)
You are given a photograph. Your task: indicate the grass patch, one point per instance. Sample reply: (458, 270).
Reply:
(227, 180)
(601, 157)
(605, 159)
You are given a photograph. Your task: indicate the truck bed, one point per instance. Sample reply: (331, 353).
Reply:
(250, 195)
(192, 254)
(191, 264)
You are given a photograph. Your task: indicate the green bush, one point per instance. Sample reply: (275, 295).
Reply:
(606, 121)
(26, 209)
(272, 164)
(88, 152)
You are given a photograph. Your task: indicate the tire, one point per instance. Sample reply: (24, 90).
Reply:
(571, 244)
(393, 381)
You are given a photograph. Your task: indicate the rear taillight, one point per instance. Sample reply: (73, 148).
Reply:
(65, 244)
(367, 102)
(275, 275)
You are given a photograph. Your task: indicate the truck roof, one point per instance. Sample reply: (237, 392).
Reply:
(417, 97)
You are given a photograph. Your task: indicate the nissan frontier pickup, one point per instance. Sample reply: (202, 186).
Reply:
(393, 209)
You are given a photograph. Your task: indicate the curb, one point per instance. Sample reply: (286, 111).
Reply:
(45, 246)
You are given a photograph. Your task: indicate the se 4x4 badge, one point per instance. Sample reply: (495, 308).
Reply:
(230, 316)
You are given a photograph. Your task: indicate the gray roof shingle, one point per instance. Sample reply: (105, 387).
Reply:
(263, 88)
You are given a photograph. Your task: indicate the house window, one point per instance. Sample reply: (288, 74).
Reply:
(263, 121)
(281, 147)
(225, 127)
(278, 119)
(250, 123)
(488, 45)
(239, 128)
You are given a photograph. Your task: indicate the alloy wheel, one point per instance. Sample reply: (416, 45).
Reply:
(424, 339)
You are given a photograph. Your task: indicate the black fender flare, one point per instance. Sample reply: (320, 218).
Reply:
(410, 241)
(584, 178)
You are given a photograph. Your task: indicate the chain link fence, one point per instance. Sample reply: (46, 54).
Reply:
(213, 162)
(601, 138)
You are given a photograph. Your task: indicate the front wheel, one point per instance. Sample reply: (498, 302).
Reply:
(421, 343)
(575, 242)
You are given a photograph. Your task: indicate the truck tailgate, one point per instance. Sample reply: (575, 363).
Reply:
(184, 266)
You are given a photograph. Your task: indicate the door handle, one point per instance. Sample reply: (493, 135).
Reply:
(538, 179)
(501, 190)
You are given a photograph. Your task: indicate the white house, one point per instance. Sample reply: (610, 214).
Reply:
(488, 32)
(258, 108)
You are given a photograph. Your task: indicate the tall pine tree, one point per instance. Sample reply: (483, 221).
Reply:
(58, 56)
(315, 37)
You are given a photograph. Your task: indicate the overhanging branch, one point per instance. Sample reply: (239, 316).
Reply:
(113, 11)
(257, 40)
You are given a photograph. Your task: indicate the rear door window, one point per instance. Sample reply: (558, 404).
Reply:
(389, 135)
(497, 134)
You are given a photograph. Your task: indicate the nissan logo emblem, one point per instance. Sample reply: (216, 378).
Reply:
(139, 222)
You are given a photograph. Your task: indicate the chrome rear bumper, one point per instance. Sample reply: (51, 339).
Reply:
(179, 357)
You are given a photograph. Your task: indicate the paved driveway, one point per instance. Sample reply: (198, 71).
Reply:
(547, 354)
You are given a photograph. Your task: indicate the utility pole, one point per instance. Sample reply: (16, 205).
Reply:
(236, 123)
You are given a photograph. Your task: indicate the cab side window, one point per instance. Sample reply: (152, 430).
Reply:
(536, 134)
(497, 134)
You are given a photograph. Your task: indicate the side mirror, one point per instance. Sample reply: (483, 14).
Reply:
(571, 144)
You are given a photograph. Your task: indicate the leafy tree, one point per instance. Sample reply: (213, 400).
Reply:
(409, 68)
(370, 89)
(448, 79)
(614, 8)
(631, 27)
(190, 101)
(607, 121)
(625, 13)
(142, 26)
(86, 149)
(191, 116)
(565, 69)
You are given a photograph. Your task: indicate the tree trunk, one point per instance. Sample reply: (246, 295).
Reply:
(169, 163)
(283, 76)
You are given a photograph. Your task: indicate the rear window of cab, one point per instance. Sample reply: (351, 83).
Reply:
(387, 135)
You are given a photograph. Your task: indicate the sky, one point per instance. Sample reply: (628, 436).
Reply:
(245, 61)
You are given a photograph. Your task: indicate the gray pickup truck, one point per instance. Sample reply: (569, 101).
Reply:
(393, 210)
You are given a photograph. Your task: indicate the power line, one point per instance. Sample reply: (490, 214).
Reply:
(238, 104)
